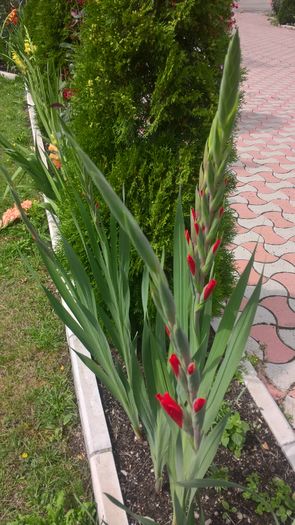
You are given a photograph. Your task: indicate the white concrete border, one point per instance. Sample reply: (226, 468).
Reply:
(96, 435)
(274, 417)
(9, 76)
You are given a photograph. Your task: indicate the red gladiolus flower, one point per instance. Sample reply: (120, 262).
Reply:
(191, 369)
(197, 228)
(175, 364)
(187, 236)
(192, 264)
(171, 407)
(67, 93)
(209, 288)
(216, 245)
(194, 215)
(167, 331)
(198, 404)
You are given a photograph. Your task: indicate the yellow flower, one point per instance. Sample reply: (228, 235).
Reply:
(18, 62)
(29, 47)
(24, 455)
(53, 140)
(62, 368)
(52, 147)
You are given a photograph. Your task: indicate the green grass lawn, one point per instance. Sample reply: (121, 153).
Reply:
(41, 447)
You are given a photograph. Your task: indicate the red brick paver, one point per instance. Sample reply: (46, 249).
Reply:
(265, 196)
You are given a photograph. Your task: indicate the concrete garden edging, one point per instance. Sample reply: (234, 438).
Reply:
(96, 435)
(270, 411)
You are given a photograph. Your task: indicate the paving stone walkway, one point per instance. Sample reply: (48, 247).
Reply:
(265, 198)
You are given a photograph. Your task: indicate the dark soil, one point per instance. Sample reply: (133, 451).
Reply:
(260, 454)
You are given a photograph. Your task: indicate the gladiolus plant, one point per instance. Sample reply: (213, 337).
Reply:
(170, 394)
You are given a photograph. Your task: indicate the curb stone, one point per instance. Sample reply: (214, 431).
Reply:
(273, 416)
(9, 76)
(96, 435)
(275, 419)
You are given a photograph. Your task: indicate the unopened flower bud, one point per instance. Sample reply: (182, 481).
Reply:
(175, 364)
(198, 404)
(191, 369)
(216, 245)
(192, 264)
(187, 236)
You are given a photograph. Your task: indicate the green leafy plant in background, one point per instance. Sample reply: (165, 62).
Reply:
(234, 435)
(146, 79)
(48, 26)
(192, 395)
(278, 500)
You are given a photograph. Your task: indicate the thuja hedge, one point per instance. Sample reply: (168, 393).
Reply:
(147, 76)
(286, 12)
(48, 23)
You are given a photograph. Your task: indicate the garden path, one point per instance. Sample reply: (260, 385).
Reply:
(265, 198)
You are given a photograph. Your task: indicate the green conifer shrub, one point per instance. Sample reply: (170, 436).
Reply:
(48, 23)
(286, 13)
(147, 77)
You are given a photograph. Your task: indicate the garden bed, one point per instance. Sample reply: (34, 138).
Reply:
(260, 455)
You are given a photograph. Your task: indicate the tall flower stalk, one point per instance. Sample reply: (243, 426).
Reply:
(188, 397)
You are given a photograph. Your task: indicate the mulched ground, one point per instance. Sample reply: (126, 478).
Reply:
(260, 454)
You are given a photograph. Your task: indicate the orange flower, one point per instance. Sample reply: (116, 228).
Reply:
(13, 214)
(13, 17)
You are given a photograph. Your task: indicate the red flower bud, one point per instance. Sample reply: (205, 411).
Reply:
(191, 369)
(67, 93)
(201, 193)
(221, 212)
(209, 289)
(216, 245)
(167, 331)
(192, 264)
(197, 228)
(187, 236)
(198, 404)
(175, 364)
(171, 408)
(194, 214)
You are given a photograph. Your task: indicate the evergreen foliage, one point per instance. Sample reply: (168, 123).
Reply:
(48, 24)
(147, 77)
(286, 13)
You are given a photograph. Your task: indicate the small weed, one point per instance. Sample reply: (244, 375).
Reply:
(234, 435)
(278, 500)
(254, 360)
(219, 473)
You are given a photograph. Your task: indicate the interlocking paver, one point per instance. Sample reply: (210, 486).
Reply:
(264, 201)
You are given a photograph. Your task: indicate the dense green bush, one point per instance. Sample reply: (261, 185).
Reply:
(48, 24)
(147, 75)
(275, 4)
(286, 13)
